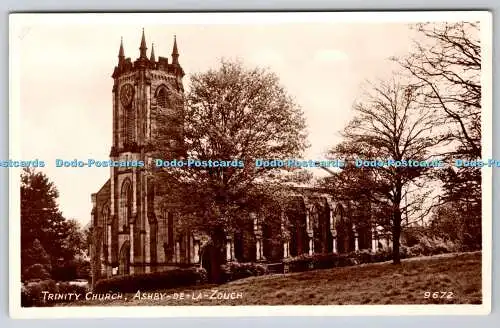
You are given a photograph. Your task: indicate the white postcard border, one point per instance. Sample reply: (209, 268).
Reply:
(19, 22)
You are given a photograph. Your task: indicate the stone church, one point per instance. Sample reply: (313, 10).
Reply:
(133, 233)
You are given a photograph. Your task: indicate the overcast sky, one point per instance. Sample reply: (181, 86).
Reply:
(65, 81)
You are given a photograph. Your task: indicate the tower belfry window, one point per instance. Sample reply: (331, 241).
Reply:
(129, 124)
(162, 98)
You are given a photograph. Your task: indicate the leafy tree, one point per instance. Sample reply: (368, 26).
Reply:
(73, 247)
(233, 113)
(87, 240)
(41, 220)
(74, 243)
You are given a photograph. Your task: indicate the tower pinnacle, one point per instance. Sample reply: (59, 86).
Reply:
(143, 47)
(152, 59)
(121, 53)
(175, 53)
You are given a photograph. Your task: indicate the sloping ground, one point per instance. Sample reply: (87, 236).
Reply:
(446, 279)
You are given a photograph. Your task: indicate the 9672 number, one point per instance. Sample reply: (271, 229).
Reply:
(436, 295)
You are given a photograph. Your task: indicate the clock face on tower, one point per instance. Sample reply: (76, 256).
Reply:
(126, 94)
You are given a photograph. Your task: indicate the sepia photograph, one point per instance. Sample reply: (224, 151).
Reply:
(239, 164)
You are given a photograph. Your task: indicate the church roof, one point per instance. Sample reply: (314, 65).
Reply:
(105, 189)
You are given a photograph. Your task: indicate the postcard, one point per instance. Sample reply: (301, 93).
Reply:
(250, 164)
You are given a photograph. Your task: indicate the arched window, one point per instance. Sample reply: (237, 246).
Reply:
(125, 205)
(124, 260)
(104, 215)
(162, 98)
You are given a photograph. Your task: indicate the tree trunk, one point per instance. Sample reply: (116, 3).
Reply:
(215, 263)
(217, 256)
(396, 233)
(396, 220)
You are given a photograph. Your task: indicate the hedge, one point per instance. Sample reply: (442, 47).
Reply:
(152, 281)
(307, 262)
(235, 270)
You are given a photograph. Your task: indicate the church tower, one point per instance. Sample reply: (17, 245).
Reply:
(142, 90)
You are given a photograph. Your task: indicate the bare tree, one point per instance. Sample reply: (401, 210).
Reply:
(390, 124)
(447, 63)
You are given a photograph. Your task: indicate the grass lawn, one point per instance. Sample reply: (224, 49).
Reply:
(456, 278)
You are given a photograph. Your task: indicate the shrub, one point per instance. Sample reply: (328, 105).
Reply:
(364, 256)
(404, 251)
(423, 241)
(433, 245)
(152, 281)
(382, 255)
(333, 260)
(235, 270)
(65, 287)
(299, 263)
(320, 261)
(31, 292)
(275, 267)
(36, 271)
(203, 275)
(416, 250)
